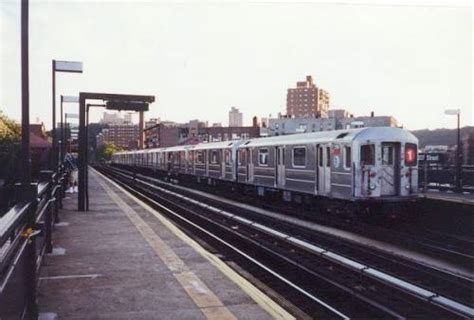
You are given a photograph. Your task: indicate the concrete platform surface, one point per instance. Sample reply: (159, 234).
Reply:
(122, 260)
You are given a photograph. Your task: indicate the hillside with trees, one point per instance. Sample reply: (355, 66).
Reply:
(440, 136)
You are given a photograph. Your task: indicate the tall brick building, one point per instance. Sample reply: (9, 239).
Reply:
(122, 135)
(307, 100)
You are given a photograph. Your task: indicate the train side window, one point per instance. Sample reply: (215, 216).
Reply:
(328, 157)
(347, 157)
(387, 155)
(411, 154)
(299, 157)
(367, 154)
(227, 157)
(263, 156)
(199, 157)
(242, 157)
(214, 156)
(320, 156)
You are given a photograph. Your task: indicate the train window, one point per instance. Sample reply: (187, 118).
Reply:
(347, 157)
(328, 157)
(242, 157)
(367, 154)
(214, 156)
(320, 156)
(411, 154)
(227, 158)
(299, 157)
(263, 157)
(199, 157)
(387, 155)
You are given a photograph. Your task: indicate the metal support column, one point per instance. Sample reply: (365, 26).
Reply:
(140, 129)
(54, 155)
(458, 157)
(25, 97)
(82, 165)
(62, 149)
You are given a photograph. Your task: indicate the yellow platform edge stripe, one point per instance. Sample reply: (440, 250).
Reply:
(203, 297)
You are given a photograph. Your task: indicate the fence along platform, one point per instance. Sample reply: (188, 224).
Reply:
(119, 261)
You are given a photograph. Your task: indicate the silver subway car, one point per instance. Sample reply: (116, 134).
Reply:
(356, 164)
(344, 164)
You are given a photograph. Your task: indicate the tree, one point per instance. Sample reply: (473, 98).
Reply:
(106, 150)
(10, 140)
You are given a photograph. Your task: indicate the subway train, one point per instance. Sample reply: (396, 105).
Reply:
(362, 169)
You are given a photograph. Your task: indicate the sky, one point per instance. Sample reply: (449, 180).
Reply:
(409, 59)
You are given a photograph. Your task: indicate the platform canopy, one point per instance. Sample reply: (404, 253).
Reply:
(111, 101)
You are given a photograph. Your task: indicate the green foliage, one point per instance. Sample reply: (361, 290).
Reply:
(106, 150)
(10, 139)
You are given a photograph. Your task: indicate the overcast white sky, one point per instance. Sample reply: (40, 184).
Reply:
(200, 58)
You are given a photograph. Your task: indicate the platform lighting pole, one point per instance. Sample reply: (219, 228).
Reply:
(60, 66)
(458, 182)
(25, 97)
(65, 99)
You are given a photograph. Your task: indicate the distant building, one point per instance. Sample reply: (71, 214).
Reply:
(195, 131)
(367, 121)
(283, 126)
(235, 118)
(40, 148)
(152, 122)
(307, 100)
(124, 135)
(127, 118)
(468, 148)
(213, 134)
(115, 118)
(338, 113)
(337, 121)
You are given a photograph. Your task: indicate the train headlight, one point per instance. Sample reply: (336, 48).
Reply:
(407, 186)
(372, 186)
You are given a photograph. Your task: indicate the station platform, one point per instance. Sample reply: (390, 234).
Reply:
(124, 260)
(449, 196)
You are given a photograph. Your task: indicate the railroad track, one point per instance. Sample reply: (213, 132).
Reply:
(317, 278)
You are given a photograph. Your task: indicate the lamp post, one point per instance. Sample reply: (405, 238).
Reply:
(457, 112)
(67, 126)
(65, 99)
(60, 66)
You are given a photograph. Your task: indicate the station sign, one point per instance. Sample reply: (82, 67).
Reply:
(432, 157)
(127, 105)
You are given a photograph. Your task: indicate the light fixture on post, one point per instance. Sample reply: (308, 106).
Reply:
(458, 182)
(65, 99)
(60, 66)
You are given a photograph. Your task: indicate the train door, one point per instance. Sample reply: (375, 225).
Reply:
(324, 169)
(389, 169)
(249, 165)
(225, 155)
(280, 166)
(206, 154)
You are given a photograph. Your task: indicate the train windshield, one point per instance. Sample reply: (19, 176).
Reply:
(367, 154)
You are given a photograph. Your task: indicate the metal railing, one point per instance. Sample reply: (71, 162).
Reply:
(444, 176)
(25, 239)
